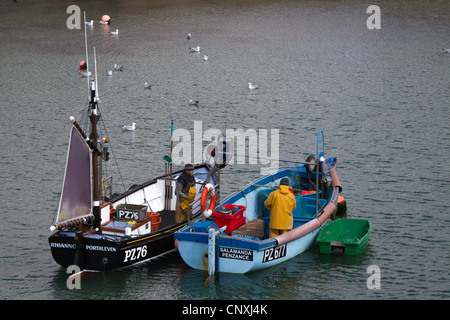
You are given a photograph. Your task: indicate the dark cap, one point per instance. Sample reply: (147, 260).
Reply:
(188, 167)
(284, 182)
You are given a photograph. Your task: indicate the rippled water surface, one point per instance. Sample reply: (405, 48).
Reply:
(380, 96)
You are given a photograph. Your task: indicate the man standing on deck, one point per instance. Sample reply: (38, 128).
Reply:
(281, 203)
(186, 192)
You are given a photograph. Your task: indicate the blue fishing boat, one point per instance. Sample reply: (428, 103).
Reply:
(238, 241)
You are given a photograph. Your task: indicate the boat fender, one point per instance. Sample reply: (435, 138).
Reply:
(112, 211)
(209, 188)
(341, 207)
(335, 183)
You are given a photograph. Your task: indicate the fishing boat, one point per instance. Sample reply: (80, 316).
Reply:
(237, 241)
(98, 230)
(344, 237)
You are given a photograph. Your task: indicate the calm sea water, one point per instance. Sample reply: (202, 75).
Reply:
(380, 96)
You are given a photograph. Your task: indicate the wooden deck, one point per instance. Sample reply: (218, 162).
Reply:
(254, 228)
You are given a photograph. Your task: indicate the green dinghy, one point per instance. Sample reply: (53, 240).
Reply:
(344, 236)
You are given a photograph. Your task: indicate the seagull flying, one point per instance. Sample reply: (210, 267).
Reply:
(130, 128)
(252, 86)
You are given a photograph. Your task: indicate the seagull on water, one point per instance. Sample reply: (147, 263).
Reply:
(446, 50)
(109, 73)
(118, 67)
(130, 128)
(115, 32)
(85, 74)
(188, 36)
(193, 102)
(147, 86)
(90, 24)
(205, 57)
(195, 49)
(252, 86)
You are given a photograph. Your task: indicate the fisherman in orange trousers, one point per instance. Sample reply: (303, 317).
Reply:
(281, 203)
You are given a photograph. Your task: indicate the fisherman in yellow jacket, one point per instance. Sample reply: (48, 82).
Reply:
(186, 192)
(281, 203)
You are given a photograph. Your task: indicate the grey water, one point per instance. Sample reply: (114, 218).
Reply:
(381, 96)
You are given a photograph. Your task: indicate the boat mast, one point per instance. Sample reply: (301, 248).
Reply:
(93, 116)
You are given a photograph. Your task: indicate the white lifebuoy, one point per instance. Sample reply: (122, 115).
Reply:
(208, 189)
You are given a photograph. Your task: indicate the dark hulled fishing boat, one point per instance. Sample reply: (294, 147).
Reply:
(96, 230)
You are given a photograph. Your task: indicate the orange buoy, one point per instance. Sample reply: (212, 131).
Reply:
(341, 207)
(106, 18)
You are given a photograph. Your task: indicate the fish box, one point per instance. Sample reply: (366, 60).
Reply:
(134, 212)
(233, 220)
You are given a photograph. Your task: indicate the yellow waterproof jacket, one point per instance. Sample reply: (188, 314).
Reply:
(184, 204)
(281, 204)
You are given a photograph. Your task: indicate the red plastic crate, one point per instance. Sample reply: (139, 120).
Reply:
(232, 221)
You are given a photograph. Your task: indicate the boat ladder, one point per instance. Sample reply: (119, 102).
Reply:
(212, 233)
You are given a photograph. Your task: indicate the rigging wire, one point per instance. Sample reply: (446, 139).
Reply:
(112, 151)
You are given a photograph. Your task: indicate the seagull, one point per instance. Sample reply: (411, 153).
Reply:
(90, 24)
(195, 49)
(85, 74)
(252, 86)
(109, 73)
(130, 128)
(205, 57)
(446, 50)
(118, 67)
(189, 36)
(147, 86)
(193, 102)
(115, 32)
